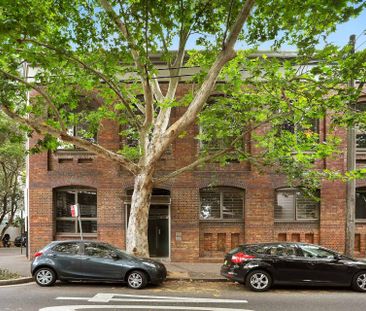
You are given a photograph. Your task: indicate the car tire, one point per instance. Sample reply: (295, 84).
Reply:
(137, 279)
(359, 281)
(45, 277)
(259, 281)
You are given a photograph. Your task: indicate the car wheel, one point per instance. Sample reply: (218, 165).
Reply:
(259, 281)
(45, 277)
(359, 282)
(137, 279)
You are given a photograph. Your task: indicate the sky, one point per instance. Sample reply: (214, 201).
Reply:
(340, 37)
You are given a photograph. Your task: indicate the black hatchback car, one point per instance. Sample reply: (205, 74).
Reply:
(93, 261)
(259, 266)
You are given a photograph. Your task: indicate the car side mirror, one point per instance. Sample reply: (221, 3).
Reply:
(115, 256)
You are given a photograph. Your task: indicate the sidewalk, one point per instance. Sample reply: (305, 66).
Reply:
(12, 260)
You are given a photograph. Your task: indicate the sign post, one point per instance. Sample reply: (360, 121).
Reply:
(75, 212)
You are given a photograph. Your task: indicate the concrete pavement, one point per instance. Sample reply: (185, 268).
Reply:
(12, 260)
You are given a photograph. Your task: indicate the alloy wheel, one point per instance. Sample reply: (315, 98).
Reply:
(259, 281)
(135, 280)
(45, 277)
(361, 281)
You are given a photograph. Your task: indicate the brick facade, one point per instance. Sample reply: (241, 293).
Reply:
(191, 239)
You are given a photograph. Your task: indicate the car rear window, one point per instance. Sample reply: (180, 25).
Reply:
(235, 250)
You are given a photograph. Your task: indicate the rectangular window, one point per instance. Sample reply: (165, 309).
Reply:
(87, 201)
(361, 205)
(293, 205)
(221, 203)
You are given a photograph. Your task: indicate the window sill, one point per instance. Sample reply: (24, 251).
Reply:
(72, 152)
(360, 221)
(296, 221)
(221, 220)
(76, 235)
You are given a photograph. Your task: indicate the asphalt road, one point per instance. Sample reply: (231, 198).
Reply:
(185, 296)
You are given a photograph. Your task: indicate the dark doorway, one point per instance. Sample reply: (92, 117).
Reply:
(159, 226)
(158, 233)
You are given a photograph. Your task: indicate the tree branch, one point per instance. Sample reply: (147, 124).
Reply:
(40, 91)
(207, 86)
(110, 83)
(44, 128)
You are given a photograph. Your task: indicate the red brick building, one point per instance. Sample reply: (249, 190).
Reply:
(197, 216)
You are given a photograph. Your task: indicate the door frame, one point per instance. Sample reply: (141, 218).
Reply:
(168, 204)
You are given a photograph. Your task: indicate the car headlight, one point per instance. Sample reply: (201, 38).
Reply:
(149, 264)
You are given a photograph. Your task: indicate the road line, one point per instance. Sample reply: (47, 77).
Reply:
(148, 307)
(107, 297)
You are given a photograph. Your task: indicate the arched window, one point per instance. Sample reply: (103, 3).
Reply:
(294, 205)
(86, 198)
(221, 203)
(361, 204)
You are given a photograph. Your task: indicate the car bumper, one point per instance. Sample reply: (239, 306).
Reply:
(233, 273)
(158, 276)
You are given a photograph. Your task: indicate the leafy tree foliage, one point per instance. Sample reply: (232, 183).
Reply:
(94, 60)
(12, 154)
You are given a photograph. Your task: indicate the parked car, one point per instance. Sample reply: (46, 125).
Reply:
(259, 266)
(20, 240)
(93, 261)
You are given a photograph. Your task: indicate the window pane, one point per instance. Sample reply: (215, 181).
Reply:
(307, 208)
(316, 252)
(88, 203)
(232, 204)
(210, 204)
(65, 226)
(89, 226)
(361, 205)
(97, 250)
(361, 141)
(285, 207)
(67, 248)
(63, 201)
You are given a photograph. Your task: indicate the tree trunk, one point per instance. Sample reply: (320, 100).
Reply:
(137, 237)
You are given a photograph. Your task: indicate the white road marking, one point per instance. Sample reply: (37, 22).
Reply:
(107, 297)
(184, 308)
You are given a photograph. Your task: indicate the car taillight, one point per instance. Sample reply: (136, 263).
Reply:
(241, 257)
(37, 254)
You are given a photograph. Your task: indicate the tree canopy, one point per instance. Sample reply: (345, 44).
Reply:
(90, 60)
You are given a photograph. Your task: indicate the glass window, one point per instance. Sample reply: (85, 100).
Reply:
(361, 204)
(312, 251)
(98, 250)
(67, 248)
(293, 204)
(360, 132)
(87, 201)
(284, 250)
(221, 203)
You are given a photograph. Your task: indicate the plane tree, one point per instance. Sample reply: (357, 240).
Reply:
(102, 52)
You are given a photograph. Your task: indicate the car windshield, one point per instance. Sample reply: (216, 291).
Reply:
(119, 251)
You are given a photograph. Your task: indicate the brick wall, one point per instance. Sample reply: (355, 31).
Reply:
(191, 239)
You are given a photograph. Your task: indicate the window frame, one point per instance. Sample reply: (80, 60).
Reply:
(359, 190)
(76, 232)
(294, 191)
(221, 191)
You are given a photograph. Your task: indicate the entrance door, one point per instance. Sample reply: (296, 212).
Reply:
(158, 233)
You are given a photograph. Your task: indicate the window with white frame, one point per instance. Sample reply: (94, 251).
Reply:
(294, 205)
(87, 201)
(221, 203)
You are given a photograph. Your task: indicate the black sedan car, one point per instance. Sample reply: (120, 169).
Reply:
(93, 261)
(259, 266)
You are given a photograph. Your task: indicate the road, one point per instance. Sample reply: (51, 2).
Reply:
(183, 296)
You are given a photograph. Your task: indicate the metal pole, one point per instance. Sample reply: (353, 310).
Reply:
(351, 165)
(79, 220)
